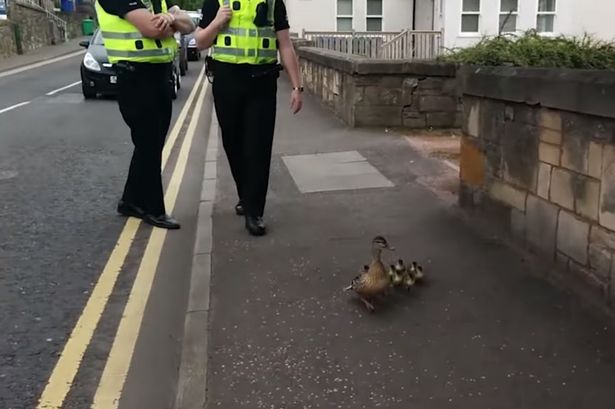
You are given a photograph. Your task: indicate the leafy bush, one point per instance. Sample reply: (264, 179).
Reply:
(534, 50)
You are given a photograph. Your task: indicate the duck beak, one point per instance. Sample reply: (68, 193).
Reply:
(390, 248)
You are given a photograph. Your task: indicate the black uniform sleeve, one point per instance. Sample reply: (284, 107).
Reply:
(209, 11)
(280, 16)
(121, 7)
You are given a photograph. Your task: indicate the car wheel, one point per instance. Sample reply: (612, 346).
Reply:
(174, 86)
(87, 92)
(179, 81)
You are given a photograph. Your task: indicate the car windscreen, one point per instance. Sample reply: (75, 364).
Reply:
(98, 40)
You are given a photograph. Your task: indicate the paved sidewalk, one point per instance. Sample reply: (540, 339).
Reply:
(42, 54)
(484, 333)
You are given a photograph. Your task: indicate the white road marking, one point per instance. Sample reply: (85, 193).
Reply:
(451, 165)
(63, 88)
(2, 111)
(40, 64)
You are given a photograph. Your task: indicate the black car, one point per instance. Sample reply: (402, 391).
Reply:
(194, 54)
(182, 47)
(99, 76)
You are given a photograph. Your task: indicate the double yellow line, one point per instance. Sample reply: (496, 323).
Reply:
(114, 375)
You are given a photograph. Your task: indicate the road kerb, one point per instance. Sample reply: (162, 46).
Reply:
(192, 383)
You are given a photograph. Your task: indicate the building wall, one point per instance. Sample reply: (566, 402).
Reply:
(321, 15)
(594, 17)
(572, 18)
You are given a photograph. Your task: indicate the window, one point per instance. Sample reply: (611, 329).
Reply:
(344, 15)
(508, 16)
(545, 21)
(374, 15)
(470, 16)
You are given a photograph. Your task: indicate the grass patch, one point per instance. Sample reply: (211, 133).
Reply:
(534, 50)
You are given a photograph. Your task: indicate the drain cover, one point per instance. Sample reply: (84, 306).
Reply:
(7, 174)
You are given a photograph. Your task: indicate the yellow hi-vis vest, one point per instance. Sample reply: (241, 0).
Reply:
(242, 42)
(124, 42)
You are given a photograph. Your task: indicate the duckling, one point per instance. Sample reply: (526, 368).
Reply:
(397, 277)
(408, 279)
(417, 271)
(391, 273)
(375, 281)
(400, 267)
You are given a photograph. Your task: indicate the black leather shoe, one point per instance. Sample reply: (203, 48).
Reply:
(163, 221)
(255, 226)
(129, 210)
(239, 211)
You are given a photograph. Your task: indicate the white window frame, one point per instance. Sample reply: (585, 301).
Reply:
(338, 16)
(470, 13)
(546, 13)
(375, 16)
(505, 13)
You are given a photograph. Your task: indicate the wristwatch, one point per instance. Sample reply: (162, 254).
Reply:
(300, 89)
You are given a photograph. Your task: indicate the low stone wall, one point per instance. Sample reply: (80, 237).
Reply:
(35, 29)
(538, 157)
(8, 46)
(366, 92)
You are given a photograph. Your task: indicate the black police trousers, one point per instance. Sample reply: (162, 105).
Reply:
(146, 106)
(246, 111)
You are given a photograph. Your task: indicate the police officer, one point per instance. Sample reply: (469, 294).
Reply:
(245, 37)
(139, 39)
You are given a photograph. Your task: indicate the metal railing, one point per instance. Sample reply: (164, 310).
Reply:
(413, 45)
(364, 43)
(47, 8)
(407, 44)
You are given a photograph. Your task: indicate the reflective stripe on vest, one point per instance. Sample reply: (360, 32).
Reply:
(139, 53)
(124, 42)
(253, 32)
(246, 53)
(242, 41)
(121, 36)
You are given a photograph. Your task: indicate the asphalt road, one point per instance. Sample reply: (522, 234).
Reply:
(63, 162)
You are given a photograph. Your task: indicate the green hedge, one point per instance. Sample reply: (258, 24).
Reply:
(534, 50)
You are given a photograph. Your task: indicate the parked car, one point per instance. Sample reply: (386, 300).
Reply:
(193, 52)
(182, 47)
(99, 76)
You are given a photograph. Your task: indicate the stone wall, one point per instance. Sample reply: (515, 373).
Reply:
(538, 157)
(8, 46)
(366, 92)
(35, 29)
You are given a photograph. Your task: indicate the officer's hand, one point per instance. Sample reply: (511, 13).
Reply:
(223, 17)
(163, 21)
(296, 102)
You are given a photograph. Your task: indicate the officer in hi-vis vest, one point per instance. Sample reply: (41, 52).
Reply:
(139, 39)
(245, 37)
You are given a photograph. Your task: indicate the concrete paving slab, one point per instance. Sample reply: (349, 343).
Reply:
(334, 171)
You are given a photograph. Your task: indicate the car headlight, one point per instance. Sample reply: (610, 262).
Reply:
(90, 62)
(192, 41)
